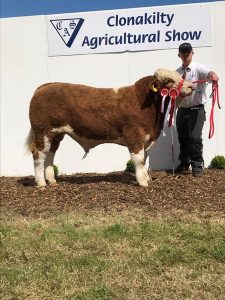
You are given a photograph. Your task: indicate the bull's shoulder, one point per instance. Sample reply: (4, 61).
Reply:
(145, 79)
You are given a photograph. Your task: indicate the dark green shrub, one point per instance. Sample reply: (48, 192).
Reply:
(218, 162)
(130, 166)
(56, 170)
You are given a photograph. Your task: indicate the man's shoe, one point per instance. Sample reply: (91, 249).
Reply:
(182, 168)
(197, 173)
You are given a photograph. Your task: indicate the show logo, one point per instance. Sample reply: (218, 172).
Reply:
(68, 29)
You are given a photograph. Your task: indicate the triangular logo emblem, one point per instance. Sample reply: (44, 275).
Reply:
(67, 29)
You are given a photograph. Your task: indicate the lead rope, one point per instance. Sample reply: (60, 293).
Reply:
(215, 98)
(172, 148)
(173, 95)
(170, 112)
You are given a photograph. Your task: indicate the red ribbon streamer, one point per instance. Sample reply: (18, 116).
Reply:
(173, 95)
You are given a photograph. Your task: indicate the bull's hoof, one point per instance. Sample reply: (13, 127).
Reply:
(149, 179)
(143, 183)
(53, 184)
(42, 188)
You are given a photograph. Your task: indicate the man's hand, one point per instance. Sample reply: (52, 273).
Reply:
(212, 76)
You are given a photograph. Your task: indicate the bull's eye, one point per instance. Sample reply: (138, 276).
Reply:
(168, 81)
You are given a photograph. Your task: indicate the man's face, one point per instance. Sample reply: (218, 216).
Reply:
(186, 57)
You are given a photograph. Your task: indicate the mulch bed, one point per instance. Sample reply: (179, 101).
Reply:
(114, 192)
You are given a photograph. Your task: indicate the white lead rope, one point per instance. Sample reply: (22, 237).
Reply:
(172, 149)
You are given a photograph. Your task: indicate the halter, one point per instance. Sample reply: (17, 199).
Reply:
(173, 93)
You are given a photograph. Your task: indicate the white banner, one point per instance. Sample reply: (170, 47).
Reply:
(138, 29)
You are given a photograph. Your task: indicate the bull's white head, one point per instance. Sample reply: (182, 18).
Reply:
(171, 79)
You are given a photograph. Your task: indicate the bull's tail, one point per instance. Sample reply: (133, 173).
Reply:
(29, 144)
(85, 154)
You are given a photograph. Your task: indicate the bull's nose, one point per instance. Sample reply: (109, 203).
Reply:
(191, 86)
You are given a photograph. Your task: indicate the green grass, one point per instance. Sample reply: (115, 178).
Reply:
(98, 256)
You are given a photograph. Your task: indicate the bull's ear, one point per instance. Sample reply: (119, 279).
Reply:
(153, 87)
(155, 83)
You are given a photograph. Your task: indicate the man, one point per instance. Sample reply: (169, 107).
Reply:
(191, 113)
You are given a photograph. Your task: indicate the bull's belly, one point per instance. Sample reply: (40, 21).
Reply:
(87, 143)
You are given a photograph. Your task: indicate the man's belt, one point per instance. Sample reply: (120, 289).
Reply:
(194, 107)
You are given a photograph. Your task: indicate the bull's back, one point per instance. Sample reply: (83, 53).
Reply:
(66, 94)
(60, 104)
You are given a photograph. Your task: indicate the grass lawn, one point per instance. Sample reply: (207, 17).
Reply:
(99, 255)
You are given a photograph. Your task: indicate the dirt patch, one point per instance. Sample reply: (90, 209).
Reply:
(115, 191)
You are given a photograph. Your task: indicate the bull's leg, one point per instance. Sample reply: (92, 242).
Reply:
(49, 170)
(140, 170)
(148, 177)
(40, 148)
(145, 156)
(135, 139)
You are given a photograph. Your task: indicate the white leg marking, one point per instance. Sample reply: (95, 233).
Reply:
(39, 164)
(39, 170)
(49, 170)
(141, 173)
(147, 177)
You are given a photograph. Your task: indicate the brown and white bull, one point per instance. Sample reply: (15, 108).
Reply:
(128, 116)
